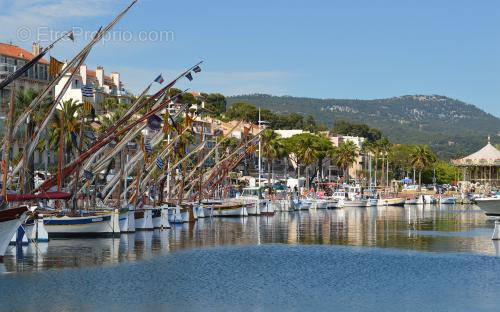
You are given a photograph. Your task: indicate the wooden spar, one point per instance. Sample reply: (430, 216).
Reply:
(220, 162)
(31, 63)
(98, 145)
(60, 156)
(151, 167)
(6, 151)
(36, 137)
(166, 151)
(226, 171)
(212, 174)
(110, 133)
(213, 150)
(78, 60)
(71, 65)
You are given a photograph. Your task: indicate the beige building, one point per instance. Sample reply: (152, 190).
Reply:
(13, 57)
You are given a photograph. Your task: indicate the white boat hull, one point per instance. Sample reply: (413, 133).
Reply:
(176, 215)
(354, 203)
(144, 220)
(490, 206)
(391, 202)
(233, 212)
(266, 208)
(106, 225)
(7, 230)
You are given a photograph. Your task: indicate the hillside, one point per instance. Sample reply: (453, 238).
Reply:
(451, 127)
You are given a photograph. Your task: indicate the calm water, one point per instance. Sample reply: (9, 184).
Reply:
(418, 259)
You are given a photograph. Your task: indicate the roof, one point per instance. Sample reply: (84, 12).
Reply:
(17, 52)
(487, 156)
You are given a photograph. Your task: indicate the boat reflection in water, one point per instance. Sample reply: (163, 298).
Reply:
(453, 228)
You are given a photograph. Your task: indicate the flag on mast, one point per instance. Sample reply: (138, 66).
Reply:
(189, 76)
(159, 79)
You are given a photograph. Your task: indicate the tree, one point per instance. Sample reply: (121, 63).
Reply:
(345, 156)
(215, 102)
(243, 111)
(304, 147)
(271, 148)
(355, 129)
(421, 158)
(73, 126)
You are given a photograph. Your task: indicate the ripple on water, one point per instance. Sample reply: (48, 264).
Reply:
(267, 278)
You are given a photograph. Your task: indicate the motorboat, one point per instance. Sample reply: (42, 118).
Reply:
(254, 196)
(490, 205)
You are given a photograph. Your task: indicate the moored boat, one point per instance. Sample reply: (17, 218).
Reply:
(10, 220)
(230, 210)
(489, 205)
(104, 224)
(143, 220)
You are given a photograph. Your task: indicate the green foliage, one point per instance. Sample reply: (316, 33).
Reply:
(356, 129)
(450, 127)
(445, 173)
(249, 113)
(345, 155)
(215, 102)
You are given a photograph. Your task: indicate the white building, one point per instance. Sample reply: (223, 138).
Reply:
(93, 87)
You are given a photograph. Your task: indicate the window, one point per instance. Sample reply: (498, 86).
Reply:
(77, 86)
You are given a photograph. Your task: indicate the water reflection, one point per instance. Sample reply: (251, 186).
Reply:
(425, 228)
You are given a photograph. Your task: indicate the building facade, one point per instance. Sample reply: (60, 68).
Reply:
(12, 58)
(94, 87)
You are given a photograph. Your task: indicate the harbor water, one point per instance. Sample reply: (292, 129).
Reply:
(413, 258)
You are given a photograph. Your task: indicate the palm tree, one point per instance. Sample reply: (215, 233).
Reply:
(345, 156)
(421, 158)
(307, 153)
(270, 149)
(73, 126)
(384, 146)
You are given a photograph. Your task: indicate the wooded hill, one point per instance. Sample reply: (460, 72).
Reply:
(450, 127)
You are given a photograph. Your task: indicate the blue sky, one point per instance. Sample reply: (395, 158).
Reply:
(325, 49)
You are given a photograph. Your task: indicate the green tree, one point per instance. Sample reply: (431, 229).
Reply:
(421, 158)
(345, 156)
(271, 148)
(73, 126)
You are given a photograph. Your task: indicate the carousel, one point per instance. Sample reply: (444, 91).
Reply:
(481, 168)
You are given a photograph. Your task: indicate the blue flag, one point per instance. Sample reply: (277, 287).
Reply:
(159, 79)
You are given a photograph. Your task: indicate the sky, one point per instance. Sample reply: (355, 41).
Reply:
(322, 49)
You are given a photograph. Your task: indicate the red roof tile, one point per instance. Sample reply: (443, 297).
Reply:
(17, 52)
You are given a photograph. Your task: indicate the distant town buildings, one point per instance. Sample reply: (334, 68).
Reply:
(13, 57)
(93, 86)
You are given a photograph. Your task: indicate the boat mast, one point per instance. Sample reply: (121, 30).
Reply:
(260, 158)
(6, 151)
(61, 143)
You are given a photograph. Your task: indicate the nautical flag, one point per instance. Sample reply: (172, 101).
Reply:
(147, 146)
(159, 79)
(197, 69)
(154, 122)
(160, 163)
(87, 91)
(71, 36)
(55, 66)
(189, 76)
(88, 174)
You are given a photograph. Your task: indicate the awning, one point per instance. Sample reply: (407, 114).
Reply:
(47, 195)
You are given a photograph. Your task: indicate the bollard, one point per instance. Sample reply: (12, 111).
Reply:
(496, 231)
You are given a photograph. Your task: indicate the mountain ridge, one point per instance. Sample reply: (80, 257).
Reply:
(451, 127)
